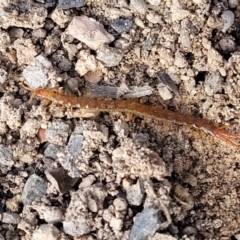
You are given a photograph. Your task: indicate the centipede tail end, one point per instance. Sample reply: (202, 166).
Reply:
(227, 137)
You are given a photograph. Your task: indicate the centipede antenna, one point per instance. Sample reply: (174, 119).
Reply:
(26, 87)
(29, 89)
(32, 96)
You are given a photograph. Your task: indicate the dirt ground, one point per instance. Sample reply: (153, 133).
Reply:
(83, 174)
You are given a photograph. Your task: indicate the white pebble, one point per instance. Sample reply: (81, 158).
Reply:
(3, 76)
(228, 19)
(116, 224)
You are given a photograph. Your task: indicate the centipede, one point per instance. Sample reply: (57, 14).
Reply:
(136, 108)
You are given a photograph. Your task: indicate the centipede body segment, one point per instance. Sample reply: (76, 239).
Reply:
(136, 108)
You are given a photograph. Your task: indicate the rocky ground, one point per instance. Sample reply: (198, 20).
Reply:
(83, 174)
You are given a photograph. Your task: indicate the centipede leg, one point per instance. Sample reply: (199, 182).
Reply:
(231, 135)
(46, 103)
(32, 96)
(226, 138)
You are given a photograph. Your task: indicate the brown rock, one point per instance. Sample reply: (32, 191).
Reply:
(93, 76)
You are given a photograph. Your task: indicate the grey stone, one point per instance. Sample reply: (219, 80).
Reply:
(68, 158)
(150, 41)
(137, 92)
(6, 156)
(78, 228)
(58, 132)
(135, 194)
(3, 76)
(166, 80)
(145, 225)
(51, 151)
(75, 143)
(46, 231)
(122, 25)
(10, 218)
(139, 5)
(109, 56)
(228, 20)
(233, 3)
(66, 4)
(227, 44)
(34, 189)
(61, 180)
(36, 72)
(213, 83)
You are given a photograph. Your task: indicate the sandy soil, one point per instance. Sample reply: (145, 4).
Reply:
(102, 172)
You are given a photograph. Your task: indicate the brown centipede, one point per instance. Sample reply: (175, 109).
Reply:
(136, 108)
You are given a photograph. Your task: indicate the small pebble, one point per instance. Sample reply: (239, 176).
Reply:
(34, 189)
(180, 60)
(184, 39)
(137, 92)
(166, 80)
(46, 231)
(135, 194)
(10, 218)
(116, 224)
(38, 34)
(72, 83)
(237, 236)
(65, 64)
(60, 179)
(233, 3)
(87, 181)
(153, 17)
(25, 50)
(139, 5)
(75, 143)
(103, 91)
(189, 230)
(149, 42)
(120, 204)
(53, 215)
(155, 2)
(217, 223)
(177, 13)
(109, 56)
(122, 25)
(228, 20)
(139, 22)
(51, 151)
(41, 135)
(6, 156)
(145, 224)
(89, 31)
(164, 92)
(163, 236)
(35, 72)
(16, 32)
(68, 158)
(3, 76)
(121, 43)
(86, 62)
(94, 76)
(213, 83)
(58, 132)
(66, 4)
(227, 44)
